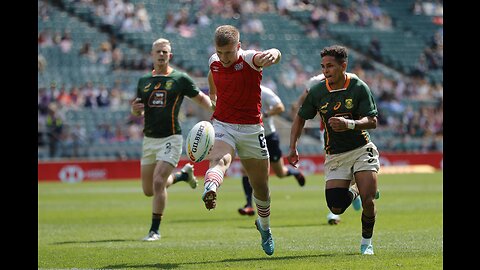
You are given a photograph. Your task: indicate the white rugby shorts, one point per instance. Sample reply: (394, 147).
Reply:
(168, 149)
(248, 140)
(344, 165)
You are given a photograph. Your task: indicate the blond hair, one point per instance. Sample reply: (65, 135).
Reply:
(162, 41)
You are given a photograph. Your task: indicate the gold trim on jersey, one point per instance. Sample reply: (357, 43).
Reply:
(173, 112)
(345, 85)
(323, 109)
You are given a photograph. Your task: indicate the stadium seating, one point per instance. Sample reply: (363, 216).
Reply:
(400, 51)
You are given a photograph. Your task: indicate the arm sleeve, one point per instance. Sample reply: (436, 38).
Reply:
(367, 105)
(308, 109)
(190, 88)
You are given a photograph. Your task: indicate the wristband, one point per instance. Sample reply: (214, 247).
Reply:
(351, 124)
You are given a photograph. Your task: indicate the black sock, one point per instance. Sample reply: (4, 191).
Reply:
(180, 176)
(367, 226)
(156, 218)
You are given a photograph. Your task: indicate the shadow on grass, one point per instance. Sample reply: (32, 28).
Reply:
(92, 241)
(207, 220)
(173, 265)
(273, 226)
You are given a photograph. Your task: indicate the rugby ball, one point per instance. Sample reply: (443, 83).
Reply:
(200, 140)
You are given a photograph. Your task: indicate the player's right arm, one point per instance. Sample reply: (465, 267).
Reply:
(297, 127)
(137, 107)
(299, 102)
(212, 90)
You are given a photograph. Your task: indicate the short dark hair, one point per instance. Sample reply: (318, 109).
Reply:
(339, 52)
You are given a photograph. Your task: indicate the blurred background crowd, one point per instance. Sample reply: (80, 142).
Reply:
(92, 52)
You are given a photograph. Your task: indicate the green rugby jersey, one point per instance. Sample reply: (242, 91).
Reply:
(162, 96)
(354, 101)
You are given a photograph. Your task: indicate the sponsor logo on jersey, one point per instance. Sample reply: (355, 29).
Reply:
(157, 99)
(337, 106)
(238, 66)
(157, 85)
(349, 103)
(323, 109)
(168, 85)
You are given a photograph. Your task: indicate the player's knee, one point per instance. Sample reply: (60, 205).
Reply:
(338, 199)
(222, 161)
(148, 193)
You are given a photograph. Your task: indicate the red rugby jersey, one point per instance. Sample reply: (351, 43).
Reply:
(238, 89)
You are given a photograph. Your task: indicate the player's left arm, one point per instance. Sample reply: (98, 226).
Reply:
(267, 58)
(274, 110)
(340, 124)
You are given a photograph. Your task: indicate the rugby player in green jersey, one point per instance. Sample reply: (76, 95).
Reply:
(160, 94)
(347, 109)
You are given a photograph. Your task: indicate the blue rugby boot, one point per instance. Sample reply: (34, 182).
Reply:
(267, 241)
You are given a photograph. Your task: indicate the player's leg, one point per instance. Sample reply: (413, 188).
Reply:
(257, 170)
(162, 178)
(220, 158)
(282, 171)
(367, 186)
(148, 163)
(186, 175)
(277, 163)
(253, 152)
(337, 195)
(338, 175)
(166, 153)
(357, 201)
(146, 173)
(366, 169)
(247, 188)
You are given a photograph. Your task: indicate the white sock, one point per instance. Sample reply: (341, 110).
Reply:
(366, 241)
(263, 211)
(213, 179)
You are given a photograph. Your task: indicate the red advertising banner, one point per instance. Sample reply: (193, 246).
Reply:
(77, 171)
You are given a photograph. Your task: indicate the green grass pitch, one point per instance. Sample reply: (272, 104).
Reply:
(98, 225)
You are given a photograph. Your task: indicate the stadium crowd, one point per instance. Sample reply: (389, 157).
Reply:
(411, 106)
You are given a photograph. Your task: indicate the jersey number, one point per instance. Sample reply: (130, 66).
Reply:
(370, 154)
(168, 148)
(261, 139)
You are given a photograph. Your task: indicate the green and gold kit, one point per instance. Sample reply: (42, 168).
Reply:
(162, 96)
(353, 101)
